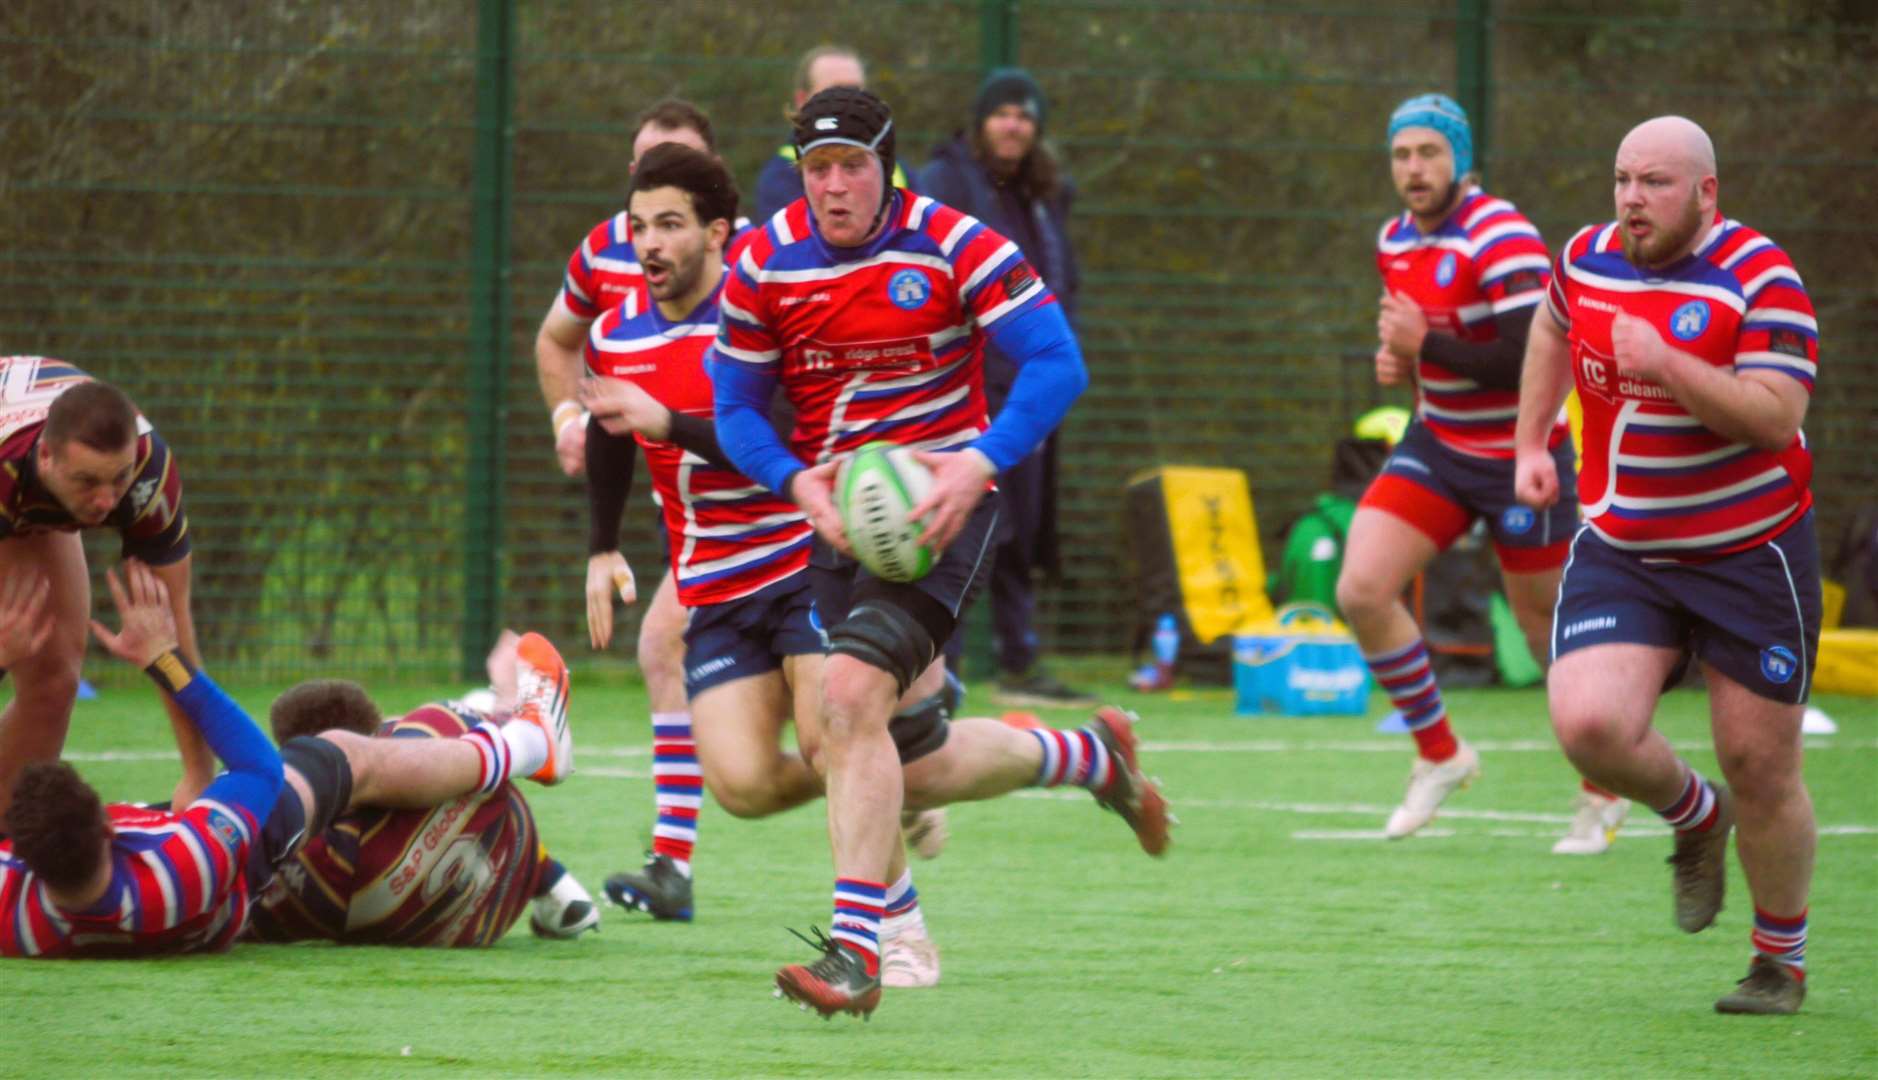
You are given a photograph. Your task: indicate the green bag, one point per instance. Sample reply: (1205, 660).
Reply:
(1313, 553)
(1510, 652)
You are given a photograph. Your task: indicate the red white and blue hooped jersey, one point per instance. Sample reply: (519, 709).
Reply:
(604, 272)
(177, 885)
(1654, 480)
(1484, 261)
(729, 536)
(881, 342)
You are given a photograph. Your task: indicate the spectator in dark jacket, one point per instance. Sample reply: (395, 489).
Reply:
(1001, 172)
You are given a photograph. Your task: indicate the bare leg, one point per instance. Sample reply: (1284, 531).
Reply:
(1602, 700)
(982, 759)
(1381, 556)
(661, 648)
(804, 675)
(407, 774)
(1758, 744)
(738, 728)
(34, 724)
(1532, 598)
(864, 783)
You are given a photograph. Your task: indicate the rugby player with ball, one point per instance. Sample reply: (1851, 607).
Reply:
(870, 307)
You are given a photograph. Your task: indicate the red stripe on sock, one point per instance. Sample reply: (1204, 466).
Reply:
(1436, 741)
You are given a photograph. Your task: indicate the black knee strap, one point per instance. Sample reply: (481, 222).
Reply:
(883, 636)
(921, 729)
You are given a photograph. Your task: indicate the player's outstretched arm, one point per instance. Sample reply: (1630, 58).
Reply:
(24, 622)
(148, 639)
(198, 759)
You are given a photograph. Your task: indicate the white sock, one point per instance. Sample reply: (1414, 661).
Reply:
(528, 748)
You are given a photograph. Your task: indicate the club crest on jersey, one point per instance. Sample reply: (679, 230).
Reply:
(1778, 663)
(1517, 520)
(1444, 270)
(908, 289)
(1689, 320)
(225, 827)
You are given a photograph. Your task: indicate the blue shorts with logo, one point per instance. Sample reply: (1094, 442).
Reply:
(937, 601)
(1753, 615)
(1441, 491)
(751, 635)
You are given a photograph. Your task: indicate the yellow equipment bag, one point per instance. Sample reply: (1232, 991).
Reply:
(1848, 662)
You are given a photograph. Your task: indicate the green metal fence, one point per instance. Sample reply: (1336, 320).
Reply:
(314, 242)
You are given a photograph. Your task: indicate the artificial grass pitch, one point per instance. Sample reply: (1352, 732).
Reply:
(1280, 937)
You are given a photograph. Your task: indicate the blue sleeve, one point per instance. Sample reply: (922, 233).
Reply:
(740, 400)
(254, 777)
(1050, 377)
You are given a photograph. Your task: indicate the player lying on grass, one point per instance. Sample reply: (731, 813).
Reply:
(79, 877)
(456, 873)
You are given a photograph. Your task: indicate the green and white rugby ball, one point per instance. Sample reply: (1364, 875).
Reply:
(874, 490)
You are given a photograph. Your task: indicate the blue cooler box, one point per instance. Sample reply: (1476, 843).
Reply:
(1304, 664)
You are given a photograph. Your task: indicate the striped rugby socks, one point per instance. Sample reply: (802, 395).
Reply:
(507, 750)
(859, 906)
(1076, 757)
(678, 788)
(1781, 939)
(1695, 810)
(1408, 678)
(902, 907)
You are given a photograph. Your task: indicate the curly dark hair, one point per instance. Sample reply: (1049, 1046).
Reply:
(321, 705)
(699, 175)
(57, 824)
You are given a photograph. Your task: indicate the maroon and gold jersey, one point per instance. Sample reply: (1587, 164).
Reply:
(459, 874)
(150, 515)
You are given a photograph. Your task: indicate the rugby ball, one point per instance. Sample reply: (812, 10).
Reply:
(874, 490)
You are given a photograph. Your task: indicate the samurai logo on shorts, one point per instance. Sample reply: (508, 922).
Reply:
(908, 289)
(1517, 520)
(1444, 270)
(1689, 320)
(1778, 663)
(815, 624)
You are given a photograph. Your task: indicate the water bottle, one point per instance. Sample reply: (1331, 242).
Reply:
(1167, 643)
(1160, 674)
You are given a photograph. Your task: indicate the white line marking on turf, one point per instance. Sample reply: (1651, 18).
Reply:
(608, 772)
(1387, 746)
(1256, 746)
(1529, 834)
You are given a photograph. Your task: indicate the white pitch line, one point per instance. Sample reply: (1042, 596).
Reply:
(1385, 746)
(608, 772)
(1255, 746)
(1531, 834)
